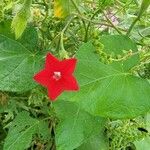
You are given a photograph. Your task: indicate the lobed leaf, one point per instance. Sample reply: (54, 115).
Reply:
(17, 66)
(109, 90)
(22, 130)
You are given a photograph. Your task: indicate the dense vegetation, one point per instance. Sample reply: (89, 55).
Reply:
(110, 40)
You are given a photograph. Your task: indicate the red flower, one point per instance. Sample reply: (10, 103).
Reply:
(57, 76)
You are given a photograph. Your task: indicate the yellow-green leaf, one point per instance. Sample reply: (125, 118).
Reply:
(62, 8)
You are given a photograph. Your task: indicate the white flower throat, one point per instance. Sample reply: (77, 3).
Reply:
(57, 75)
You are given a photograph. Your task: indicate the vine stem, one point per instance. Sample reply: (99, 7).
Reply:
(109, 21)
(78, 10)
(89, 23)
(143, 8)
(126, 56)
(98, 23)
(62, 34)
(135, 68)
(133, 24)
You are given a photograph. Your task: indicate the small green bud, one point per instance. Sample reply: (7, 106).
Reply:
(101, 46)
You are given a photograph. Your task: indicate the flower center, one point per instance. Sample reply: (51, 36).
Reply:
(57, 75)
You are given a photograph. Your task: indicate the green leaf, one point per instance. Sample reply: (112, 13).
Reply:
(98, 142)
(17, 66)
(63, 8)
(108, 90)
(29, 39)
(21, 18)
(75, 126)
(144, 144)
(5, 29)
(22, 130)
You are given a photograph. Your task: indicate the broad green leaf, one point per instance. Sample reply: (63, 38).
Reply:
(17, 66)
(75, 126)
(98, 142)
(22, 130)
(29, 39)
(108, 90)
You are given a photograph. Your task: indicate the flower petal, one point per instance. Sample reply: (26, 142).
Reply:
(42, 77)
(70, 83)
(68, 65)
(51, 62)
(54, 90)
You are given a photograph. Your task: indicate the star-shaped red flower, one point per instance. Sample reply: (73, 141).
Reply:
(57, 76)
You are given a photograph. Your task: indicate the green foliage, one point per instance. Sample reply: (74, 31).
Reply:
(106, 2)
(116, 45)
(36, 97)
(113, 74)
(20, 20)
(5, 28)
(22, 130)
(112, 90)
(98, 142)
(123, 133)
(63, 8)
(144, 144)
(17, 75)
(29, 39)
(76, 126)
(144, 6)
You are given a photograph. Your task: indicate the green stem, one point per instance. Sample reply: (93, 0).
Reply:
(62, 33)
(76, 7)
(46, 10)
(88, 25)
(144, 6)
(109, 21)
(98, 23)
(133, 24)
